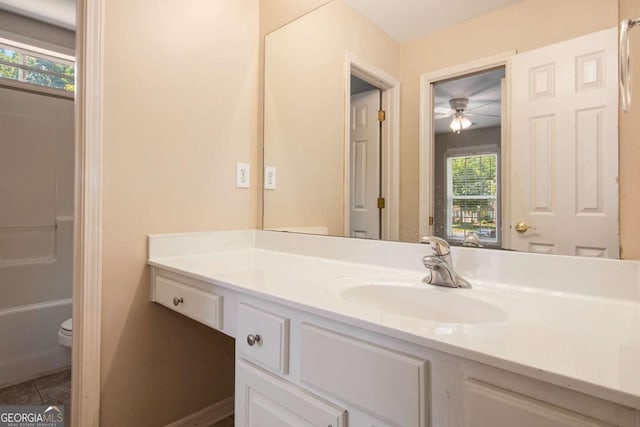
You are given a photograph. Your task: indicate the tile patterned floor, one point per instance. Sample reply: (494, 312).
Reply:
(47, 390)
(54, 389)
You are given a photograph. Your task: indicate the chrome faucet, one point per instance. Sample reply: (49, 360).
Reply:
(440, 264)
(472, 240)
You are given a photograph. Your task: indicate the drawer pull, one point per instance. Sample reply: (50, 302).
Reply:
(177, 301)
(253, 339)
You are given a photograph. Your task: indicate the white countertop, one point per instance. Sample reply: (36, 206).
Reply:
(586, 342)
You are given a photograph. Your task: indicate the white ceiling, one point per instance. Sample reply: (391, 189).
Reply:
(61, 13)
(406, 20)
(483, 91)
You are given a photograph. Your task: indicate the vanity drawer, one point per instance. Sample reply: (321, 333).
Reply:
(194, 303)
(263, 337)
(387, 384)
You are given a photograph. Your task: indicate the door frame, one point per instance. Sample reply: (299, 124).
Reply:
(390, 143)
(427, 140)
(87, 262)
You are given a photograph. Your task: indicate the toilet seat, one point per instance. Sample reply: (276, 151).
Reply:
(66, 326)
(64, 333)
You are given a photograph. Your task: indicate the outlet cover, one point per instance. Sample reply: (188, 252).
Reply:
(242, 175)
(269, 178)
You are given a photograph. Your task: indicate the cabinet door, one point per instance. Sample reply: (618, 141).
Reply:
(382, 382)
(491, 406)
(264, 400)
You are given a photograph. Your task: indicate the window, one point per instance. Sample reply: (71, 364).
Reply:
(23, 65)
(472, 197)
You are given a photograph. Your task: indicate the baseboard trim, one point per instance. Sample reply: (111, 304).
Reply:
(207, 416)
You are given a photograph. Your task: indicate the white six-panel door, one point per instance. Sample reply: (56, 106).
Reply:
(364, 173)
(564, 148)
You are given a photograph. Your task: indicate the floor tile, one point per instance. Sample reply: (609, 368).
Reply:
(20, 394)
(54, 380)
(55, 389)
(227, 422)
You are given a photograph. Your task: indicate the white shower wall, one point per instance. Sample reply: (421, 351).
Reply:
(36, 231)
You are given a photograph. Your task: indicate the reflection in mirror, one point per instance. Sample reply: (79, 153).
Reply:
(467, 124)
(495, 122)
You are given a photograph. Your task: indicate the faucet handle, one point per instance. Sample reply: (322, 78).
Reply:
(439, 246)
(472, 239)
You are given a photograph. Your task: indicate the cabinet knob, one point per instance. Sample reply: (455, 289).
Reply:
(177, 301)
(253, 339)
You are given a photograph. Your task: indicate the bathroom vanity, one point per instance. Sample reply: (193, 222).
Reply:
(343, 332)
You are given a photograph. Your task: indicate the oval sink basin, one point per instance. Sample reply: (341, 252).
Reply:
(411, 298)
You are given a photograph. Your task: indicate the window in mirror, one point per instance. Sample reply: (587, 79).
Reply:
(472, 198)
(35, 68)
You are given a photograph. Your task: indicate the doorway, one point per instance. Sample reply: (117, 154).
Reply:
(483, 89)
(372, 169)
(37, 162)
(467, 157)
(365, 210)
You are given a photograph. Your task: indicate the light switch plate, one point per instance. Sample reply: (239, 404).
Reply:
(242, 175)
(269, 178)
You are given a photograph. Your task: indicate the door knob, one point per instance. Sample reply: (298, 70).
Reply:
(177, 301)
(253, 339)
(521, 227)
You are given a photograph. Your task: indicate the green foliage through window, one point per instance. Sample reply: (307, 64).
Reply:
(474, 175)
(472, 196)
(35, 69)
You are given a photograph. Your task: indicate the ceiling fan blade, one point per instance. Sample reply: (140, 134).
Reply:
(477, 107)
(482, 115)
(444, 116)
(442, 110)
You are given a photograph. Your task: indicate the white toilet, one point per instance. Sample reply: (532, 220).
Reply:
(64, 334)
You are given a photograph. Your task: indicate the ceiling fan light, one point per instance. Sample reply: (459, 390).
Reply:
(459, 122)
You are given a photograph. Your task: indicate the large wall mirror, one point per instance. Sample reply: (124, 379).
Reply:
(490, 123)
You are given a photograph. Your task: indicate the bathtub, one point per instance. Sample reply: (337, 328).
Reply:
(29, 340)
(35, 297)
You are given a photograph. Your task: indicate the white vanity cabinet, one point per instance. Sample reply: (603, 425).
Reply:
(299, 367)
(376, 385)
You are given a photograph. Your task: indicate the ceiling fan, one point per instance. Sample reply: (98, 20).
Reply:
(459, 113)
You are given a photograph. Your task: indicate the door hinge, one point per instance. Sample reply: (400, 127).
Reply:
(381, 202)
(382, 115)
(430, 220)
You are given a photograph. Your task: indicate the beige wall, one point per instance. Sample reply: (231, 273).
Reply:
(524, 26)
(274, 14)
(180, 109)
(630, 149)
(304, 111)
